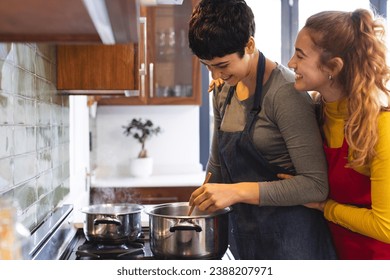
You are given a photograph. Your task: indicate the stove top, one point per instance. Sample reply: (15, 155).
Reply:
(82, 249)
(58, 239)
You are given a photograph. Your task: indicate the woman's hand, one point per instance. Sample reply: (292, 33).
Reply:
(283, 176)
(316, 205)
(215, 83)
(212, 197)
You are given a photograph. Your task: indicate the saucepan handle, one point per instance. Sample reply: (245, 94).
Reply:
(185, 226)
(107, 220)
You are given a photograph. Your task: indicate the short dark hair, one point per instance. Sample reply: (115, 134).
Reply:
(220, 27)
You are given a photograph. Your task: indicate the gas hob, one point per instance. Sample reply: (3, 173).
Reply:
(58, 239)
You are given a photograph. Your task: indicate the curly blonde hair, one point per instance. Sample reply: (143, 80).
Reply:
(358, 38)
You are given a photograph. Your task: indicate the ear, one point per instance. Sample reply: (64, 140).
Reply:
(250, 46)
(337, 65)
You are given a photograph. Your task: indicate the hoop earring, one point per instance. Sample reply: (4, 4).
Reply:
(330, 77)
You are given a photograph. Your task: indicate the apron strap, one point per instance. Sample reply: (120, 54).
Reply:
(228, 99)
(258, 93)
(259, 83)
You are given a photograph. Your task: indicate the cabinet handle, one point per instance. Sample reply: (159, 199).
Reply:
(143, 70)
(142, 86)
(151, 82)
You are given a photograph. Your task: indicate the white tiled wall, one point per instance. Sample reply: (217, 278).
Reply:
(34, 131)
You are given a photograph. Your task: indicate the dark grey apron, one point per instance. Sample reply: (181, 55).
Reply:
(268, 232)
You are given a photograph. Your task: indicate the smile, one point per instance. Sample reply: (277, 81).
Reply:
(227, 78)
(298, 76)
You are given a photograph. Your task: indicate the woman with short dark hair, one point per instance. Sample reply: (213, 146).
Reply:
(262, 127)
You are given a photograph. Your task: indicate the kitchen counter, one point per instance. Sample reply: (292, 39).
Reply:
(168, 180)
(156, 189)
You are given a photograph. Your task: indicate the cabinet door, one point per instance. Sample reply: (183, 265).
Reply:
(173, 71)
(98, 69)
(159, 70)
(130, 97)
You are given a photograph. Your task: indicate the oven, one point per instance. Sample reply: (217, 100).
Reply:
(57, 238)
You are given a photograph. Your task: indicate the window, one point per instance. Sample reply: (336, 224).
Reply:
(268, 25)
(309, 7)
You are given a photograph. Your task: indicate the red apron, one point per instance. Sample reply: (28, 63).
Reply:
(350, 187)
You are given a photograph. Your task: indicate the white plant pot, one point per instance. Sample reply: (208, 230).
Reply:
(141, 167)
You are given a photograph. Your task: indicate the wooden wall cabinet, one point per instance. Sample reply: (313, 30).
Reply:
(97, 68)
(159, 70)
(67, 21)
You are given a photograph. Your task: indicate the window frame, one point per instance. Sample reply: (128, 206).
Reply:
(290, 19)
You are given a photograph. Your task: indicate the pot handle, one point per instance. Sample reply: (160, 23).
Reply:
(185, 226)
(107, 220)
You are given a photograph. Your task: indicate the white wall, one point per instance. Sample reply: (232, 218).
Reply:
(79, 155)
(175, 150)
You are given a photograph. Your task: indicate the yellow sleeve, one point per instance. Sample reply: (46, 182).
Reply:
(374, 222)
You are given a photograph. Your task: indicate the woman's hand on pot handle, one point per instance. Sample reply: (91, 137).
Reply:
(212, 197)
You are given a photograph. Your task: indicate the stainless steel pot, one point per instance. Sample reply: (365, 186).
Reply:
(112, 223)
(174, 235)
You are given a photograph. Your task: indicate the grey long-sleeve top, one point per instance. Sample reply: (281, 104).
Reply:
(286, 133)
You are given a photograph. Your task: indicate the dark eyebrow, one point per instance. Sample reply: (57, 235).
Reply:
(216, 64)
(300, 51)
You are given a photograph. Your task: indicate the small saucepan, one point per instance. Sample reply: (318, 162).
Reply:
(112, 223)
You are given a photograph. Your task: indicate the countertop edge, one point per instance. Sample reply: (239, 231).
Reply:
(168, 180)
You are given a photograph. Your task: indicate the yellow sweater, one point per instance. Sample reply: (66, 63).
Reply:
(373, 222)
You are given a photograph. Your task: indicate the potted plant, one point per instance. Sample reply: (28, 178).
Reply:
(141, 130)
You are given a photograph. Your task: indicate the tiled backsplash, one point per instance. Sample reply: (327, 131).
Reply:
(34, 131)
